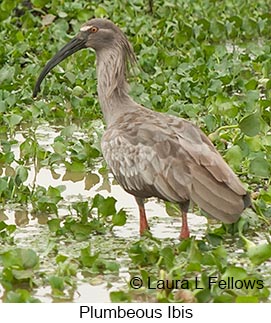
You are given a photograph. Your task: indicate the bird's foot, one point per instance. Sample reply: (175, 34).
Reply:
(185, 234)
(144, 227)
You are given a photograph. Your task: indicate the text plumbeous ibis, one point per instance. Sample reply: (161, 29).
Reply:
(149, 153)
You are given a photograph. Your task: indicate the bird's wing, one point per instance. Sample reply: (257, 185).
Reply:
(159, 155)
(215, 187)
(203, 154)
(143, 165)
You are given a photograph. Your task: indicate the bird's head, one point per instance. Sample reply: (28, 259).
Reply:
(99, 34)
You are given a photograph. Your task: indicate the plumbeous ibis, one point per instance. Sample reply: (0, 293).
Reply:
(150, 153)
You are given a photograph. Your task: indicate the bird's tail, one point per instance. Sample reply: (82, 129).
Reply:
(218, 199)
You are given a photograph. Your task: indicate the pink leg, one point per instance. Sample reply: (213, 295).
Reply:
(143, 222)
(185, 230)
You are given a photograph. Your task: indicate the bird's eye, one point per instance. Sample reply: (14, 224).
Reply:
(93, 29)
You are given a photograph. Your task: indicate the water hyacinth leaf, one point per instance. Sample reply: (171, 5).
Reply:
(254, 143)
(250, 125)
(54, 225)
(22, 274)
(266, 195)
(86, 258)
(55, 192)
(3, 226)
(120, 297)
(6, 232)
(260, 253)
(68, 131)
(102, 266)
(21, 175)
(119, 219)
(75, 166)
(82, 210)
(48, 19)
(14, 119)
(3, 185)
(105, 206)
(57, 283)
(61, 258)
(77, 90)
(168, 254)
(204, 296)
(60, 148)
(20, 258)
(172, 209)
(236, 272)
(20, 296)
(247, 299)
(29, 258)
(214, 71)
(195, 254)
(228, 109)
(112, 266)
(81, 231)
(27, 148)
(234, 156)
(259, 166)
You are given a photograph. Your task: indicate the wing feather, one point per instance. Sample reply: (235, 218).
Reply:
(158, 155)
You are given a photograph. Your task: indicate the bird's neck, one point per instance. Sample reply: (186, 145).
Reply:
(112, 85)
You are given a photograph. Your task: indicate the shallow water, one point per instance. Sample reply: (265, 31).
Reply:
(32, 231)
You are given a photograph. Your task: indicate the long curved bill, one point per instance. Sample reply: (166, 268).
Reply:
(73, 46)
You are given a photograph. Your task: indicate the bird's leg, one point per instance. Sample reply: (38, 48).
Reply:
(185, 229)
(143, 222)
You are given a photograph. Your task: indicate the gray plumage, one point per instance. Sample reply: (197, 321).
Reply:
(149, 153)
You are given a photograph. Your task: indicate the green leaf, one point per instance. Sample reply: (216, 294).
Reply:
(15, 119)
(86, 258)
(234, 156)
(81, 208)
(120, 297)
(236, 272)
(260, 253)
(21, 175)
(247, 299)
(75, 166)
(78, 90)
(105, 206)
(3, 185)
(112, 266)
(250, 125)
(172, 209)
(103, 266)
(22, 274)
(21, 258)
(68, 131)
(81, 231)
(119, 219)
(56, 282)
(29, 258)
(54, 225)
(20, 296)
(60, 148)
(168, 254)
(259, 166)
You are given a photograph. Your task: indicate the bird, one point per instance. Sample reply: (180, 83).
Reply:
(152, 154)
